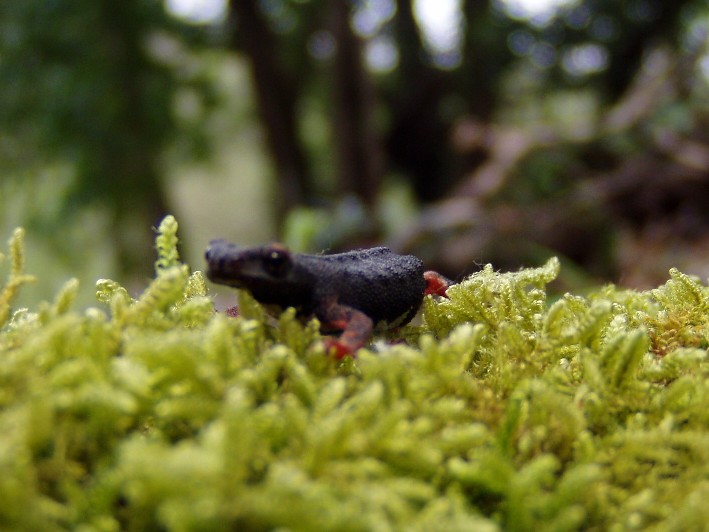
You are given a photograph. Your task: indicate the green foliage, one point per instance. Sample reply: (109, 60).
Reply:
(16, 277)
(505, 411)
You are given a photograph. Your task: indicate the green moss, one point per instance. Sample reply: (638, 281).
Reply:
(504, 411)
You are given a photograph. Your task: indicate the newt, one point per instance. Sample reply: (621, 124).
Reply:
(349, 293)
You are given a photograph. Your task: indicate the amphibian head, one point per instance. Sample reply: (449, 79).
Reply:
(268, 272)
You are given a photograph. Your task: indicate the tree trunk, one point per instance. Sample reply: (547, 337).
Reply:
(276, 96)
(359, 165)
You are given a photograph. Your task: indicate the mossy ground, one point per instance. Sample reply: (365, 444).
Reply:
(504, 410)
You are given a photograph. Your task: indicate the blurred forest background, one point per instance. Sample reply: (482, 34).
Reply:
(465, 132)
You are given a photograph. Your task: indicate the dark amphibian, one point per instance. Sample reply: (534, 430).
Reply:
(349, 293)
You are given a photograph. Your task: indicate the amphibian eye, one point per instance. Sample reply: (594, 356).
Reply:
(277, 262)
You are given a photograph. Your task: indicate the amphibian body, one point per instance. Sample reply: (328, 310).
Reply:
(349, 293)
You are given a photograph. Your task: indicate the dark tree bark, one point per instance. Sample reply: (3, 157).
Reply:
(418, 141)
(355, 138)
(485, 57)
(276, 97)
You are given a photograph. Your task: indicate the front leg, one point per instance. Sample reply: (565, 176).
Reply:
(355, 325)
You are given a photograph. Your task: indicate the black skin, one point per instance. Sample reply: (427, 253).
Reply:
(349, 293)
